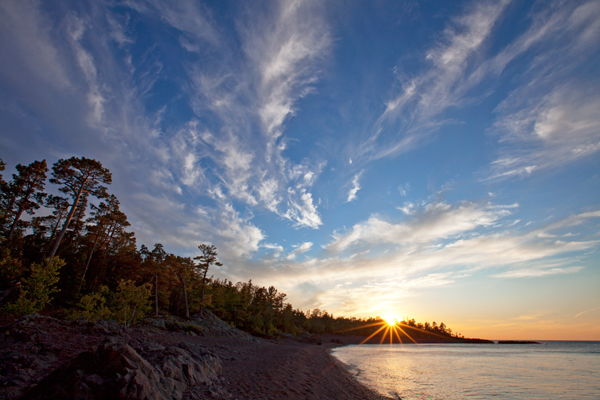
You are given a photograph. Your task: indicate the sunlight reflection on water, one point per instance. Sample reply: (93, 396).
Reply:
(558, 370)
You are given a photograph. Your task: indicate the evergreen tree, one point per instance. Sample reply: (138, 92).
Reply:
(25, 193)
(154, 263)
(206, 259)
(106, 221)
(78, 177)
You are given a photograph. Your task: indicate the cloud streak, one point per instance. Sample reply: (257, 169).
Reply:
(355, 188)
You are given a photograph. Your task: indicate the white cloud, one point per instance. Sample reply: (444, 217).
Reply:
(559, 128)
(241, 237)
(551, 119)
(403, 189)
(408, 208)
(277, 248)
(355, 187)
(412, 115)
(284, 49)
(437, 221)
(302, 211)
(536, 273)
(184, 15)
(299, 249)
(86, 62)
(267, 193)
(118, 31)
(416, 260)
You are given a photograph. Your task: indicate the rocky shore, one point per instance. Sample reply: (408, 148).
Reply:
(166, 358)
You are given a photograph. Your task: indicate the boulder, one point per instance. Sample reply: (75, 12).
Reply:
(117, 371)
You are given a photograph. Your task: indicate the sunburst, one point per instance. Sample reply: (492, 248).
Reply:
(391, 326)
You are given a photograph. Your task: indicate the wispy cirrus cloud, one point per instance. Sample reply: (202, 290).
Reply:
(355, 188)
(438, 246)
(187, 16)
(448, 76)
(538, 272)
(284, 55)
(86, 63)
(586, 311)
(550, 119)
(559, 128)
(540, 124)
(299, 249)
(436, 221)
(252, 98)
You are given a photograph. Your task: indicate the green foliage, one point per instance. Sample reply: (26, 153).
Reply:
(79, 177)
(131, 302)
(24, 194)
(37, 289)
(93, 306)
(11, 267)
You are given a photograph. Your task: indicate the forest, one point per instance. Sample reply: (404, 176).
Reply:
(79, 259)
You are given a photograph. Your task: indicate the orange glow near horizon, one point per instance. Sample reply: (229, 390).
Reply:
(392, 327)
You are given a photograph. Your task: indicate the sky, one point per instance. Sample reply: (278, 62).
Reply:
(422, 159)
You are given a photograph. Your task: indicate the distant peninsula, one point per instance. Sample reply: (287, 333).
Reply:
(516, 342)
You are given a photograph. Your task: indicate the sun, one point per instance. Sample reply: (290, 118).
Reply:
(392, 325)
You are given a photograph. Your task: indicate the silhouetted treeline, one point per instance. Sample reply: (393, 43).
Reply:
(73, 258)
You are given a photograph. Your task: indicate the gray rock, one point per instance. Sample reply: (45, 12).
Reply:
(155, 322)
(117, 371)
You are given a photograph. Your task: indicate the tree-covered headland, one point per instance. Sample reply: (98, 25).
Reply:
(78, 259)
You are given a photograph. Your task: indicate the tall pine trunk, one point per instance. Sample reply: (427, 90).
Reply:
(87, 265)
(187, 309)
(66, 225)
(13, 226)
(202, 295)
(156, 294)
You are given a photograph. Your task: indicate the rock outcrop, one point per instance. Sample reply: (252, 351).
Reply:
(117, 371)
(205, 324)
(212, 325)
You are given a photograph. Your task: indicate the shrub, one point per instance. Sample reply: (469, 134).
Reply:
(131, 302)
(10, 267)
(93, 306)
(36, 290)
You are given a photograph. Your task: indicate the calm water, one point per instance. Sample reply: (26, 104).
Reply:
(557, 370)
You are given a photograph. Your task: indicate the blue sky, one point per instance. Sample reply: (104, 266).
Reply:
(424, 159)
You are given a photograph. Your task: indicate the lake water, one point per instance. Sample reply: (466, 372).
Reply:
(556, 370)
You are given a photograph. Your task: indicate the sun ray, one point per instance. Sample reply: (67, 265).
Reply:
(387, 328)
(396, 332)
(408, 336)
(361, 327)
(373, 334)
(428, 332)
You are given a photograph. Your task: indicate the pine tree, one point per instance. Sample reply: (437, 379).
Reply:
(105, 222)
(25, 193)
(206, 259)
(78, 177)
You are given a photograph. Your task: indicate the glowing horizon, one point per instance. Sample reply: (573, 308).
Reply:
(438, 160)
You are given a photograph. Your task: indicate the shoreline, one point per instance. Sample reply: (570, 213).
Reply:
(245, 367)
(35, 350)
(292, 370)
